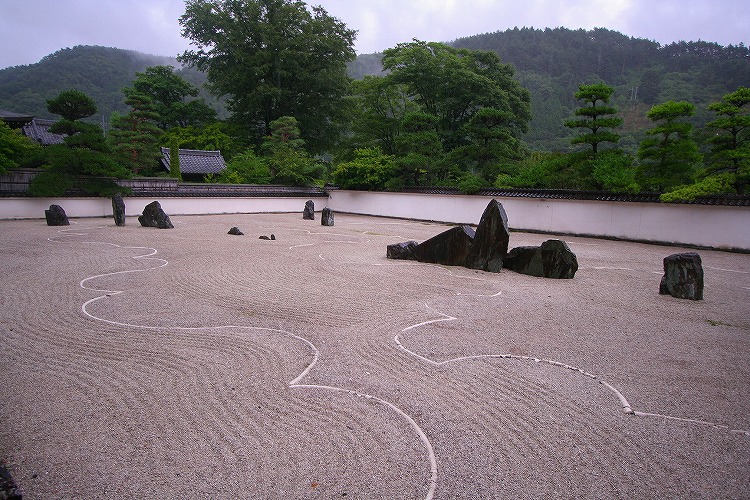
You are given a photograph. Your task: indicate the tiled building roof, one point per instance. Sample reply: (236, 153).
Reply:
(195, 161)
(14, 120)
(38, 130)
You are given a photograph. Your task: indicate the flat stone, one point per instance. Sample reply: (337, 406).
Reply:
(56, 216)
(263, 237)
(683, 276)
(154, 216)
(402, 251)
(326, 218)
(309, 212)
(449, 248)
(118, 209)
(491, 241)
(235, 231)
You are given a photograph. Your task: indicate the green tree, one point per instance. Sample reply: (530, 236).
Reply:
(135, 136)
(454, 84)
(370, 170)
(246, 168)
(419, 151)
(15, 149)
(84, 162)
(669, 156)
(596, 119)
(213, 137)
(174, 161)
(288, 162)
(174, 98)
(273, 58)
(730, 152)
(72, 105)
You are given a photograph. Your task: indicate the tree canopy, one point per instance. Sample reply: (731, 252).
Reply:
(272, 58)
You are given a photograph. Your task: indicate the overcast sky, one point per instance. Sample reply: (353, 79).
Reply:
(31, 29)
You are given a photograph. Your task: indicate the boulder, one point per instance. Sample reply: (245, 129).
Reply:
(263, 237)
(309, 212)
(683, 276)
(118, 209)
(553, 259)
(235, 231)
(449, 248)
(272, 236)
(326, 218)
(491, 241)
(55, 216)
(154, 216)
(402, 251)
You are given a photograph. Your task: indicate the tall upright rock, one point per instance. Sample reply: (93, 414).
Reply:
(491, 240)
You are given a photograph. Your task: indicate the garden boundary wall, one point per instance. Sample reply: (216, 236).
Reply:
(712, 226)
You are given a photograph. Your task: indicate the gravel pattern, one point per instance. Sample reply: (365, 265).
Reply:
(189, 363)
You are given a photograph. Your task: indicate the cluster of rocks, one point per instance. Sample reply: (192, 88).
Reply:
(486, 249)
(326, 218)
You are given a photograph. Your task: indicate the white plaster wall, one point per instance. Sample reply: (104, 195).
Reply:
(703, 225)
(33, 208)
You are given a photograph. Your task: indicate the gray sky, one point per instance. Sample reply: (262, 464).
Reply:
(31, 29)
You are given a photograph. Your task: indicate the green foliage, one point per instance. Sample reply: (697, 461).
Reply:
(174, 161)
(213, 137)
(596, 118)
(288, 162)
(669, 156)
(15, 149)
(712, 185)
(171, 95)
(472, 184)
(730, 146)
(72, 105)
(614, 171)
(246, 168)
(370, 170)
(273, 58)
(134, 137)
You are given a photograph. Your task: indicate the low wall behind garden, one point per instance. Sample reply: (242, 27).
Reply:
(714, 226)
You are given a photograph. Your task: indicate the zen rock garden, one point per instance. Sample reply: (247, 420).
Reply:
(486, 249)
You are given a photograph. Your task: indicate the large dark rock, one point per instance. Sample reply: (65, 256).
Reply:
(154, 216)
(235, 231)
(326, 218)
(8, 488)
(491, 241)
(553, 259)
(449, 248)
(118, 209)
(56, 216)
(683, 276)
(402, 251)
(309, 212)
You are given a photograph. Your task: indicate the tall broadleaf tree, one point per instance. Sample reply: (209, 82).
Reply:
(273, 58)
(596, 118)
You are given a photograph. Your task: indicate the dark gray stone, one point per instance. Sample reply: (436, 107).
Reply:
(326, 218)
(154, 216)
(235, 231)
(263, 237)
(8, 488)
(449, 248)
(309, 212)
(402, 251)
(118, 209)
(491, 241)
(553, 259)
(56, 216)
(683, 276)
(273, 237)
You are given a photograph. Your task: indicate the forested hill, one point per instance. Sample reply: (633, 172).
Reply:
(552, 63)
(100, 72)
